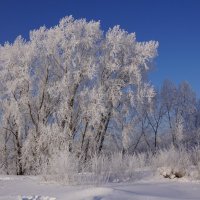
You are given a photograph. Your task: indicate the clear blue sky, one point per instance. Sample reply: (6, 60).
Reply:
(174, 23)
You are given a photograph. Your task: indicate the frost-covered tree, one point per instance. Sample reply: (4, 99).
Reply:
(180, 105)
(62, 89)
(155, 115)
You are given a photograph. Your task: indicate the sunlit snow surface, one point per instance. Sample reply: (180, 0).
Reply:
(32, 188)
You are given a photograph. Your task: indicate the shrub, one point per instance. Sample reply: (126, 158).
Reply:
(172, 162)
(195, 156)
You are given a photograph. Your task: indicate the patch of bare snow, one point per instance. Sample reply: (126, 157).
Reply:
(149, 188)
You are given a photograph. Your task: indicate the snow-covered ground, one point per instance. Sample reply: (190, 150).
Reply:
(32, 188)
